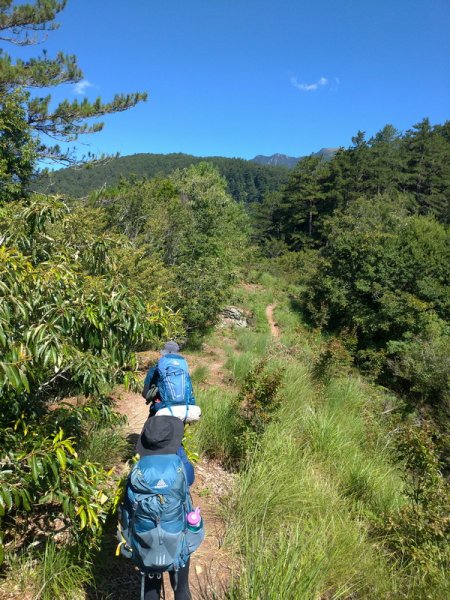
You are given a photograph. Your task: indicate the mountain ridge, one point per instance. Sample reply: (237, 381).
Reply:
(248, 180)
(290, 161)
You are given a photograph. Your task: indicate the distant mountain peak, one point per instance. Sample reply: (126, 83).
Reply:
(290, 161)
(276, 160)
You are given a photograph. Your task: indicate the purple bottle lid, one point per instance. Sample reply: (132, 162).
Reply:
(194, 517)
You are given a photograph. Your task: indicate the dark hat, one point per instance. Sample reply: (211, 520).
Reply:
(160, 435)
(170, 348)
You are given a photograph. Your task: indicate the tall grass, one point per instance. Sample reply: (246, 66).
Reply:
(250, 346)
(104, 445)
(216, 432)
(298, 514)
(301, 511)
(301, 514)
(53, 574)
(200, 374)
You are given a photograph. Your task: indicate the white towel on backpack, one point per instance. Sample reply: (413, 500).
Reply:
(187, 414)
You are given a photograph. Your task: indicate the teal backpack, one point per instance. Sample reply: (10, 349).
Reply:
(152, 529)
(174, 382)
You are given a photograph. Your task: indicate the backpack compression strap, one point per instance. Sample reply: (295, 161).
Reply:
(123, 542)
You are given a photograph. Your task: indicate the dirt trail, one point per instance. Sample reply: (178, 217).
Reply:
(210, 564)
(274, 328)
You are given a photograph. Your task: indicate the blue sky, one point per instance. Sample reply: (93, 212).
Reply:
(246, 77)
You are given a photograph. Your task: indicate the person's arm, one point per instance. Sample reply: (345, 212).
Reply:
(148, 381)
(188, 466)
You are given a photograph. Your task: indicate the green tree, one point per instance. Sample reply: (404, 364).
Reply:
(189, 228)
(302, 201)
(427, 152)
(347, 173)
(17, 147)
(69, 323)
(385, 169)
(69, 326)
(34, 115)
(383, 274)
(216, 241)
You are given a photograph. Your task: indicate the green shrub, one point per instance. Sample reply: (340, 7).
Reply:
(333, 361)
(384, 274)
(259, 395)
(418, 533)
(424, 362)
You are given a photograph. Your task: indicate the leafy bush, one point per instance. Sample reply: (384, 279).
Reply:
(189, 231)
(334, 360)
(382, 275)
(68, 327)
(423, 361)
(418, 533)
(258, 401)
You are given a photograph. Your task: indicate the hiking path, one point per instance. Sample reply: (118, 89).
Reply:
(274, 328)
(211, 564)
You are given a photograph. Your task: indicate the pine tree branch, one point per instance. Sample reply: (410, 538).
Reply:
(28, 17)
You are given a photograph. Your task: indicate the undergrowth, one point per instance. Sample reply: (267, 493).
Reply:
(55, 573)
(326, 503)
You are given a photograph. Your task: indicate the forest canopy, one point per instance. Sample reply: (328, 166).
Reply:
(371, 226)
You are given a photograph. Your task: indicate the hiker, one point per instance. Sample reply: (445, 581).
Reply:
(168, 386)
(154, 520)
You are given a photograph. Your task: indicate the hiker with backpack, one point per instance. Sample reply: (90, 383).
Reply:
(158, 528)
(168, 386)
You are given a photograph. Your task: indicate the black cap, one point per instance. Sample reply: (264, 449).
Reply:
(160, 435)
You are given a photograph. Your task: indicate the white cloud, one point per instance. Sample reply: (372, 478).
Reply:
(82, 86)
(309, 87)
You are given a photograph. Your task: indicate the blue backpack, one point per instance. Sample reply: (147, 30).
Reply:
(174, 382)
(152, 528)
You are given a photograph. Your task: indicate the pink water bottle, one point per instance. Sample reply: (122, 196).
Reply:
(194, 519)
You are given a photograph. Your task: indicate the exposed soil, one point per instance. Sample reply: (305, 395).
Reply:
(210, 564)
(274, 328)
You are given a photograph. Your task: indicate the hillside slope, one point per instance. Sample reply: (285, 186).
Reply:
(247, 181)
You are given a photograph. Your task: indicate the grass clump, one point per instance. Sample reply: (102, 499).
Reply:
(239, 365)
(200, 374)
(54, 574)
(104, 446)
(217, 431)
